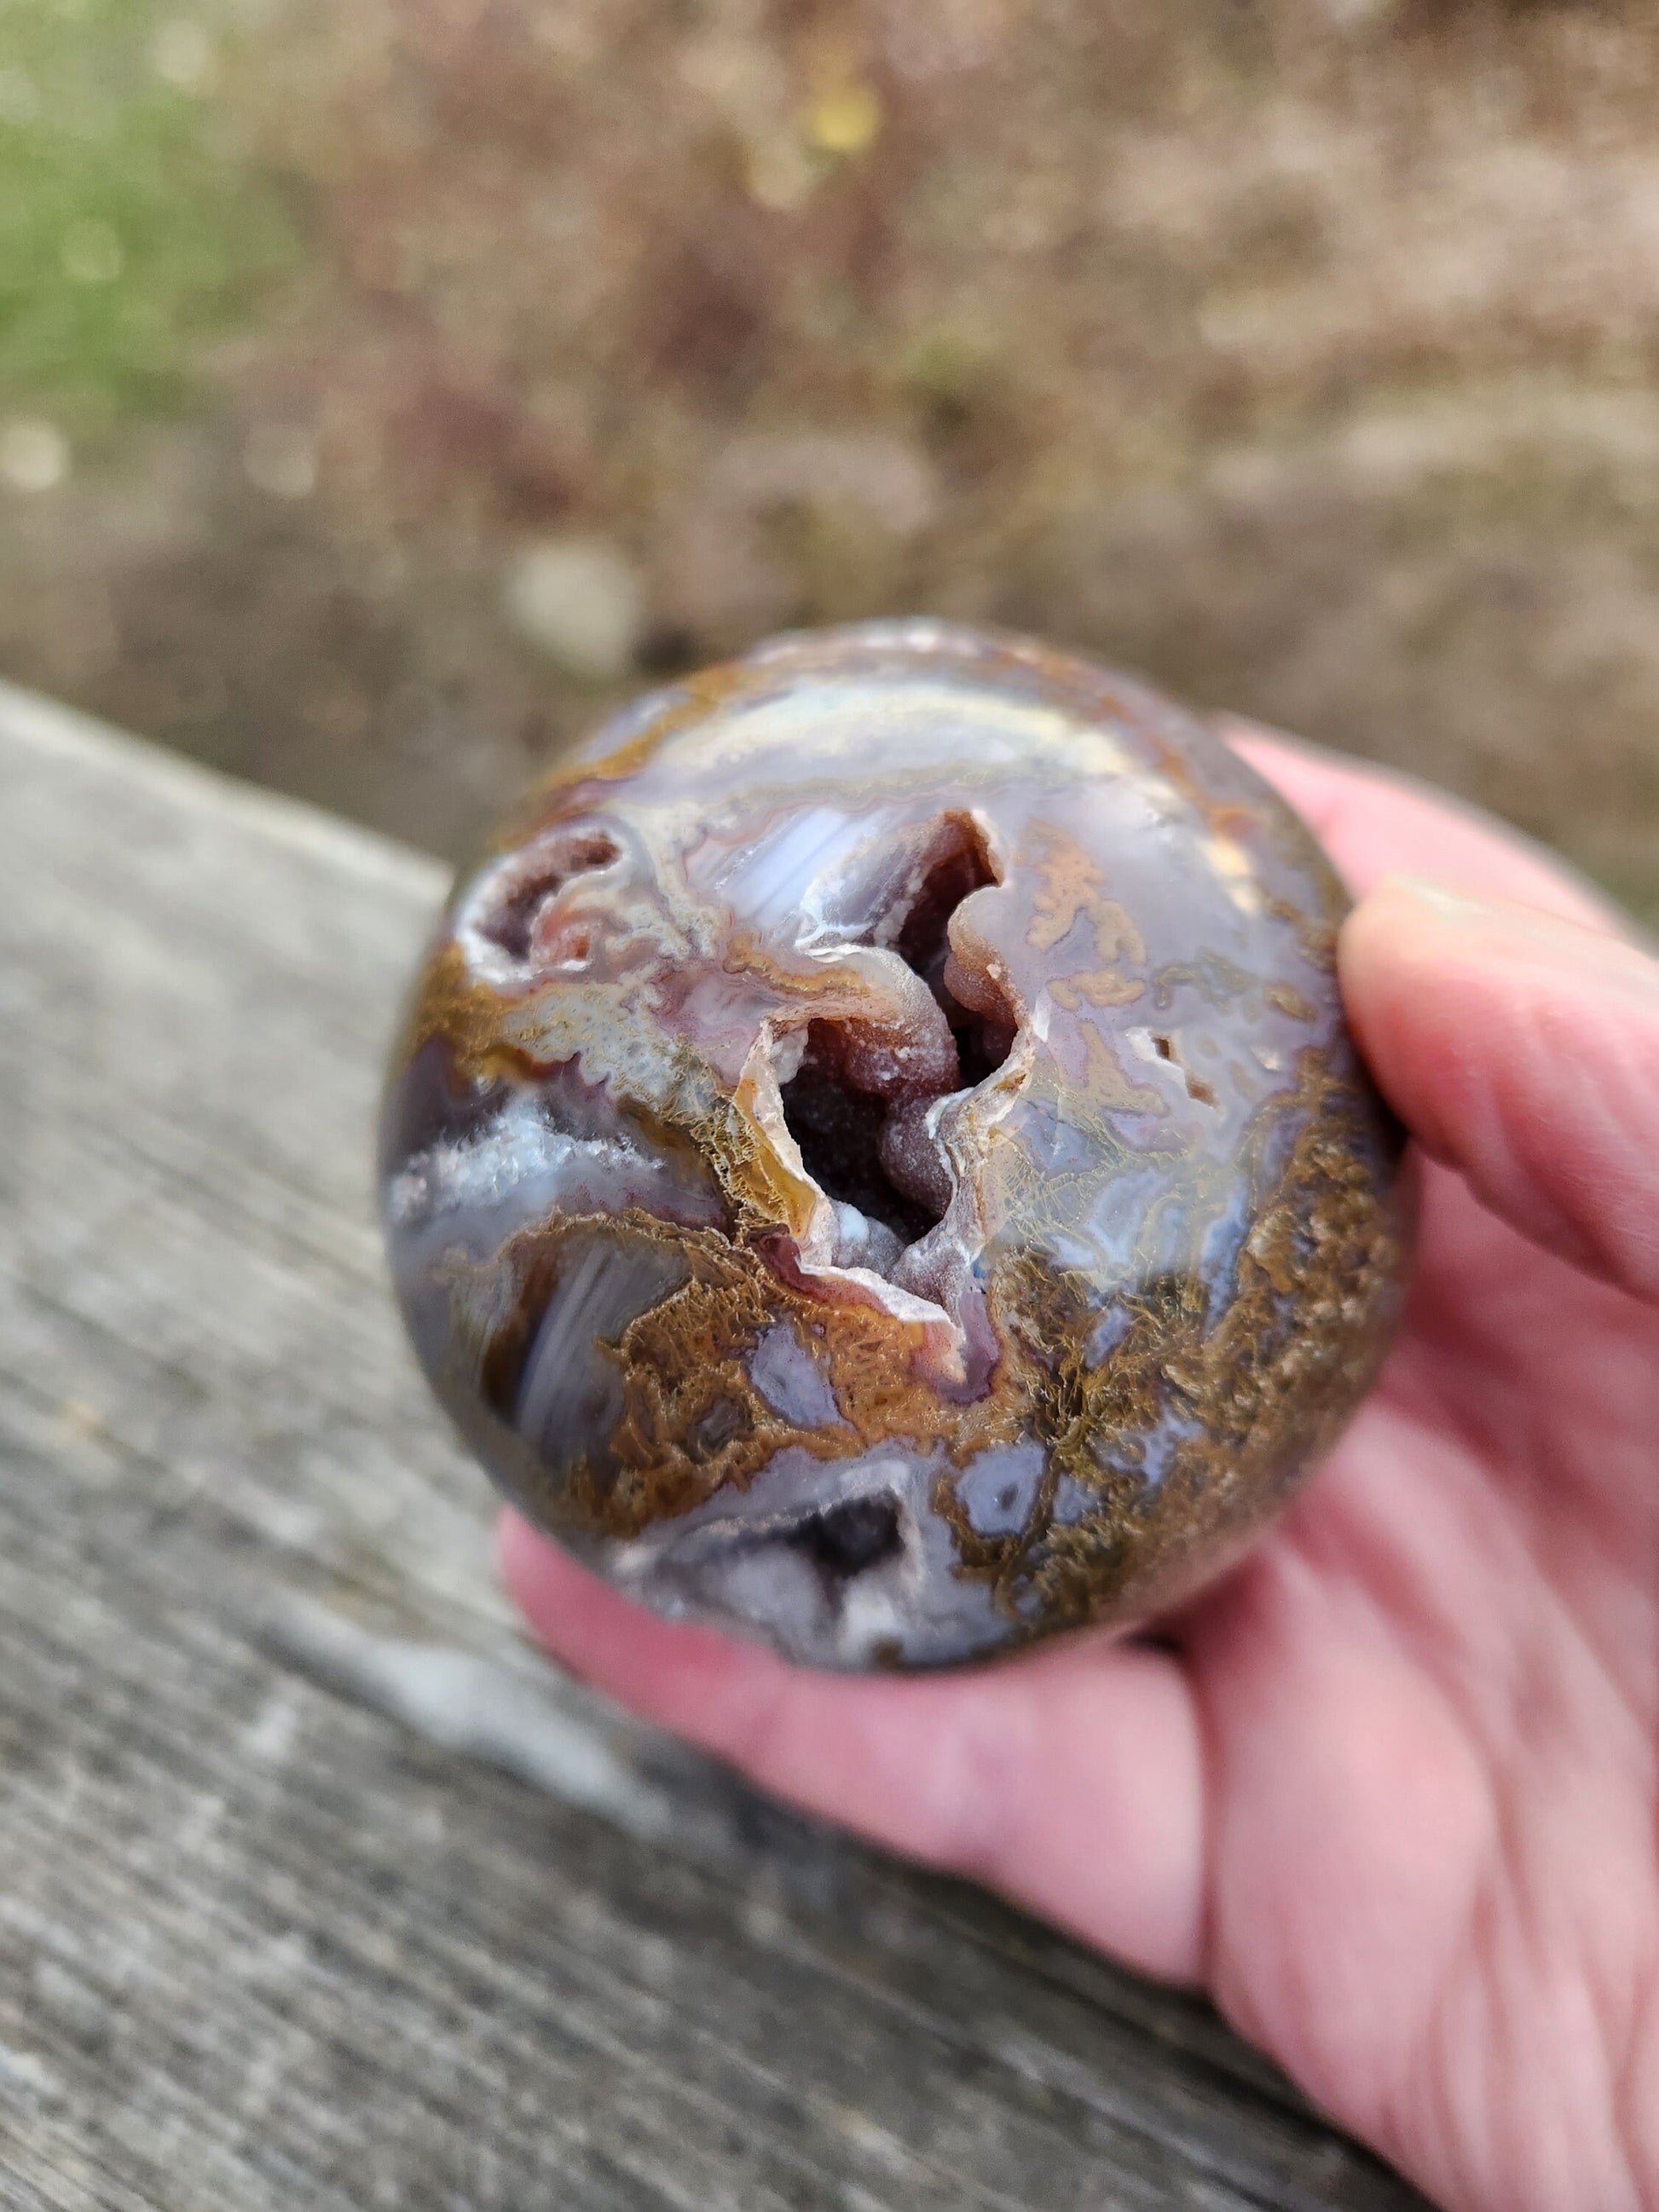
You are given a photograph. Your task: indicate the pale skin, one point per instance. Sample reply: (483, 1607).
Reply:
(1390, 1792)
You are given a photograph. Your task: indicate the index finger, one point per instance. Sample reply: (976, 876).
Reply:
(1376, 822)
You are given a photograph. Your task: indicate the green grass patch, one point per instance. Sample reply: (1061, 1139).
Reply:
(130, 230)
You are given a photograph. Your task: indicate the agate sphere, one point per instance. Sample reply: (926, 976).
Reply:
(874, 1161)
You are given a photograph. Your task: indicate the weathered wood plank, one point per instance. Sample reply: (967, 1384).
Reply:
(315, 1886)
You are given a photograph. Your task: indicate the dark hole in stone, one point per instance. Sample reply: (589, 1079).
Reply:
(844, 1540)
(959, 868)
(981, 1047)
(512, 922)
(838, 1129)
(839, 1125)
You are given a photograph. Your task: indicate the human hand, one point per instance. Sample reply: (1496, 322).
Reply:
(1391, 1790)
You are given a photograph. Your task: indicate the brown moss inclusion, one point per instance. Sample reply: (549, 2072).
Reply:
(876, 1161)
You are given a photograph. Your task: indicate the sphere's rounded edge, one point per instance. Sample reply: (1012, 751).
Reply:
(611, 1251)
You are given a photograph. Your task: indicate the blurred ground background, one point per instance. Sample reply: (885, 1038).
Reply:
(385, 388)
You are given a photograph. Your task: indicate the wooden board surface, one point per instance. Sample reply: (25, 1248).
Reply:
(317, 1887)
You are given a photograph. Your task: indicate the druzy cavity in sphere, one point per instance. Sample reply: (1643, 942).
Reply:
(875, 1162)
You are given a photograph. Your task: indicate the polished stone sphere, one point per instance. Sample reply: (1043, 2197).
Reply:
(875, 1161)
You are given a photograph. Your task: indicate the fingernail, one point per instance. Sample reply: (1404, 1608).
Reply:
(1443, 899)
(1509, 922)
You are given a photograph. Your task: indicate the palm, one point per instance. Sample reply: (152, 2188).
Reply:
(1431, 1700)
(1391, 1790)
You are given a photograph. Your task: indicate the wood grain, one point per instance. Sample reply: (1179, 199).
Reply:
(317, 1887)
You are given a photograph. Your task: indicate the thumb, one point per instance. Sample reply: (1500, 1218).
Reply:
(1522, 1050)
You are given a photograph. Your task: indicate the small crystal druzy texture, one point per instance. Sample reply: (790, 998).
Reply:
(875, 1161)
